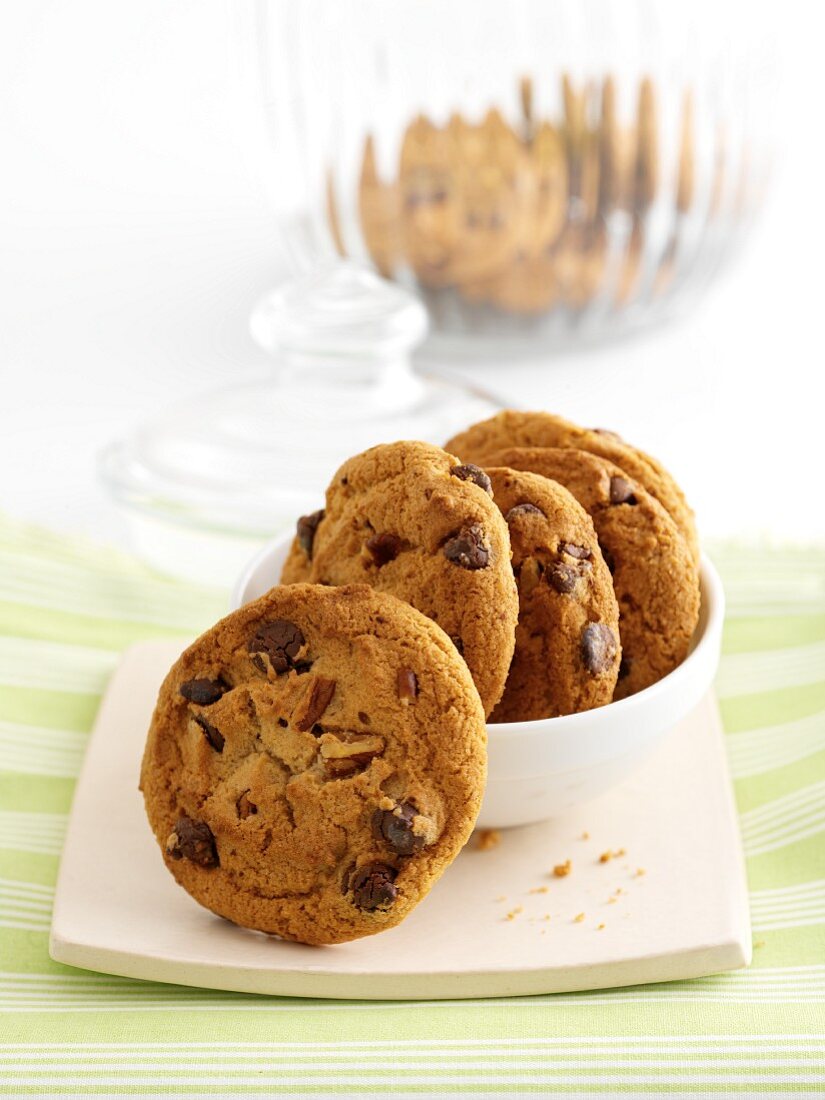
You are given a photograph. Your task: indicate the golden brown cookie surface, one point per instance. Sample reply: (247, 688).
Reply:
(567, 638)
(314, 763)
(654, 577)
(512, 428)
(409, 519)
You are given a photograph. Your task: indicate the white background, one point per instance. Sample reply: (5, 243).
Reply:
(137, 232)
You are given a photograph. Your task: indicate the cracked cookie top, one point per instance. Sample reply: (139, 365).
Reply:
(409, 519)
(315, 761)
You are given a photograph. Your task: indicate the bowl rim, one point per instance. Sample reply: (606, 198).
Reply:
(712, 611)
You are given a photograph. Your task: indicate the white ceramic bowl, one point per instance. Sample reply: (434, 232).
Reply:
(537, 770)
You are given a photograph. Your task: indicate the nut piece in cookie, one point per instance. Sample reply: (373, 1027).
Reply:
(317, 803)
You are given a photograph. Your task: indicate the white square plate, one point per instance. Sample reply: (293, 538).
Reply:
(674, 905)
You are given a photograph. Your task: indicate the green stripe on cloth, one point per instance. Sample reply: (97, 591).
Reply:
(67, 608)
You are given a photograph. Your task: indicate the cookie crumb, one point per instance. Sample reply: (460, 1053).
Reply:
(605, 857)
(539, 890)
(561, 870)
(612, 900)
(579, 917)
(546, 916)
(758, 943)
(501, 897)
(487, 839)
(514, 912)
(639, 872)
(599, 927)
(585, 835)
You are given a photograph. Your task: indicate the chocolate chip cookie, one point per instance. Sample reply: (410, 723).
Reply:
(315, 761)
(538, 429)
(410, 519)
(567, 638)
(654, 577)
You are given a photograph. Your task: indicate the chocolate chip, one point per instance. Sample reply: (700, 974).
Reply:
(563, 578)
(282, 722)
(383, 548)
(281, 641)
(212, 733)
(523, 510)
(406, 684)
(624, 667)
(320, 696)
(621, 491)
(599, 647)
(574, 551)
(468, 549)
(458, 643)
(192, 840)
(203, 692)
(469, 472)
(373, 886)
(363, 717)
(307, 526)
(395, 827)
(245, 807)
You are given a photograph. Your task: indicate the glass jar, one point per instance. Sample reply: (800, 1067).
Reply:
(539, 172)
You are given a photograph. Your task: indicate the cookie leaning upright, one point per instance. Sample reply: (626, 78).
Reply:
(315, 761)
(539, 429)
(567, 639)
(409, 519)
(654, 576)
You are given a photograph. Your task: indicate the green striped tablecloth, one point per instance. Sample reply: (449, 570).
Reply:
(66, 610)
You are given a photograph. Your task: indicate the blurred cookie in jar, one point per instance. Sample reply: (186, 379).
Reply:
(379, 210)
(430, 224)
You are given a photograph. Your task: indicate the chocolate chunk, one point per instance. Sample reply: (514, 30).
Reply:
(395, 827)
(599, 647)
(468, 549)
(307, 526)
(458, 643)
(563, 578)
(469, 472)
(384, 548)
(621, 491)
(574, 551)
(203, 692)
(406, 684)
(281, 641)
(245, 807)
(522, 510)
(320, 696)
(192, 840)
(212, 733)
(373, 886)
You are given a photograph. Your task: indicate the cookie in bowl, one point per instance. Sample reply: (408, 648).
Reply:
(314, 763)
(409, 519)
(567, 654)
(654, 576)
(512, 428)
